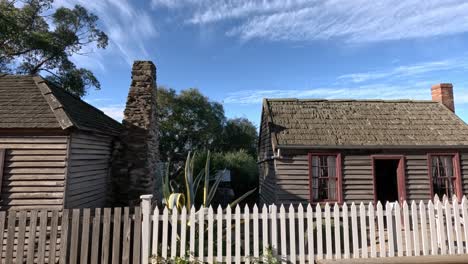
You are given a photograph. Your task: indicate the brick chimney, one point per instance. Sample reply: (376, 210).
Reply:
(138, 155)
(443, 93)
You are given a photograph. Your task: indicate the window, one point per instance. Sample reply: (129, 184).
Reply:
(443, 172)
(325, 177)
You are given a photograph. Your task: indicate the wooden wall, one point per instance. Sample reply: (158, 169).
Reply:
(267, 186)
(88, 182)
(464, 171)
(34, 171)
(292, 176)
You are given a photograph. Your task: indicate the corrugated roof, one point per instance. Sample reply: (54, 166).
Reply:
(318, 122)
(30, 102)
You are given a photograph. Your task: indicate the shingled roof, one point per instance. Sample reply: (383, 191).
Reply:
(31, 102)
(363, 123)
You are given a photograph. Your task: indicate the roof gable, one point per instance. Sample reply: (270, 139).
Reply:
(22, 104)
(48, 106)
(364, 123)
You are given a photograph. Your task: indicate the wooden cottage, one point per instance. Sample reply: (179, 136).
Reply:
(55, 149)
(362, 150)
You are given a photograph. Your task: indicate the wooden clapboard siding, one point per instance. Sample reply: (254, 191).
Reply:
(292, 179)
(88, 171)
(292, 175)
(34, 171)
(417, 177)
(267, 182)
(265, 147)
(464, 171)
(358, 182)
(267, 186)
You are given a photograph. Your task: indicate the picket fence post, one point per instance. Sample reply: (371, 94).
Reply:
(145, 227)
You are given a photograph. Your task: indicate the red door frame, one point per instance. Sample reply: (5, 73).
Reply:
(401, 177)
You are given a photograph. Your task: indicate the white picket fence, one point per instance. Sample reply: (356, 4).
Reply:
(303, 235)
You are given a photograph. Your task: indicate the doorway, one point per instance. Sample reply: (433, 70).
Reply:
(386, 180)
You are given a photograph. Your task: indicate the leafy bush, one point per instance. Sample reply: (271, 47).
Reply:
(243, 167)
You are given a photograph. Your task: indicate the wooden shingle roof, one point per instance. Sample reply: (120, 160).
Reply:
(30, 102)
(363, 123)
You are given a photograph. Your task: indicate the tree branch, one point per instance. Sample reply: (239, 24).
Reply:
(39, 65)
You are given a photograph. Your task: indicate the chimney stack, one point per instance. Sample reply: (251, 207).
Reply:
(443, 93)
(139, 151)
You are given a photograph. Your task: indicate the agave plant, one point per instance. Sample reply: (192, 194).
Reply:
(174, 199)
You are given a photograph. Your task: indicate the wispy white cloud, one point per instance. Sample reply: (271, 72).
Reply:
(128, 26)
(114, 111)
(407, 70)
(304, 20)
(374, 91)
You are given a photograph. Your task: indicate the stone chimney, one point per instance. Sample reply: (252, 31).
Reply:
(139, 153)
(443, 93)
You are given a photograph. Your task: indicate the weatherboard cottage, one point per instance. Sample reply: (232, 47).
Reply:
(362, 150)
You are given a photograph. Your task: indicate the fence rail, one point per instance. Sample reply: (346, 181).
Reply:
(298, 234)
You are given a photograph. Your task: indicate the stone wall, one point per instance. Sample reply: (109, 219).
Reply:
(135, 160)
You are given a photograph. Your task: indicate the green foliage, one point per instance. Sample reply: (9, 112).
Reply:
(178, 197)
(36, 39)
(240, 133)
(189, 121)
(176, 260)
(243, 167)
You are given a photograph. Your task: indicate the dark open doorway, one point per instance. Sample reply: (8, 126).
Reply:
(386, 180)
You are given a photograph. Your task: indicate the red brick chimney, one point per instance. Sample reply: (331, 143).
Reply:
(443, 93)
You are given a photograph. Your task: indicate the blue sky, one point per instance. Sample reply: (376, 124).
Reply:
(238, 52)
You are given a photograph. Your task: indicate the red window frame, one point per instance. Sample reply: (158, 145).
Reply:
(456, 171)
(339, 197)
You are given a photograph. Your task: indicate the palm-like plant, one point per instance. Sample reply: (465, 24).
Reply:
(187, 198)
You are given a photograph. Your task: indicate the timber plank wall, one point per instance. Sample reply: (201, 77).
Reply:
(88, 179)
(292, 175)
(267, 186)
(34, 171)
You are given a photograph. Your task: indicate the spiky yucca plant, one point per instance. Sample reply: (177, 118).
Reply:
(173, 199)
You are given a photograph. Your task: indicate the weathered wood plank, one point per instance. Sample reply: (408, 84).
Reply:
(95, 241)
(38, 195)
(33, 189)
(32, 237)
(42, 236)
(34, 164)
(74, 238)
(116, 235)
(34, 170)
(10, 237)
(85, 235)
(53, 236)
(21, 237)
(64, 237)
(137, 236)
(36, 140)
(33, 146)
(126, 239)
(106, 236)
(41, 152)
